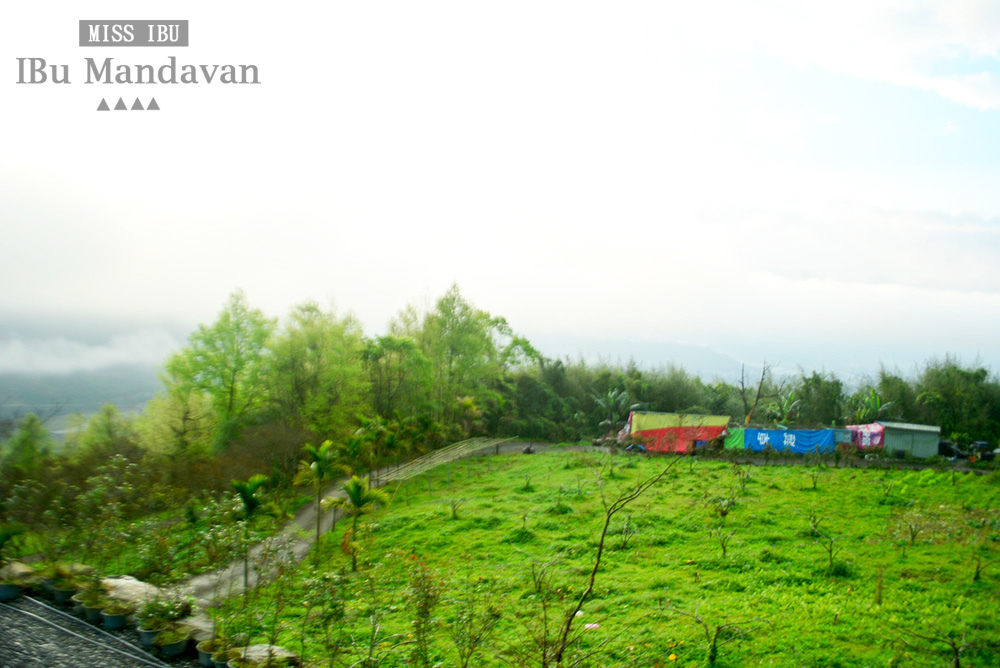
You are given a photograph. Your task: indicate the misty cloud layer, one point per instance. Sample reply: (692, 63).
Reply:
(61, 355)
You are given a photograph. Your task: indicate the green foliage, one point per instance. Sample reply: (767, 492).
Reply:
(163, 609)
(358, 500)
(780, 573)
(469, 353)
(9, 533)
(177, 422)
(29, 445)
(104, 431)
(821, 397)
(226, 361)
(519, 536)
(398, 374)
(614, 407)
(315, 372)
(247, 492)
(960, 400)
(319, 467)
(868, 407)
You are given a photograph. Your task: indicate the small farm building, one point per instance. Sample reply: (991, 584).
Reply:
(916, 440)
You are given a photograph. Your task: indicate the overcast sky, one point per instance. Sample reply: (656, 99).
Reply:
(814, 183)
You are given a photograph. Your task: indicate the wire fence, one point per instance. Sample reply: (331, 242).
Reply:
(466, 448)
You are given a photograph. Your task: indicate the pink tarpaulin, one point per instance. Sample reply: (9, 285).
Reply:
(867, 435)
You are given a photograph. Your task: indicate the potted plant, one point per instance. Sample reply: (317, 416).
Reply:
(173, 641)
(61, 580)
(158, 613)
(206, 648)
(91, 598)
(9, 590)
(64, 589)
(10, 586)
(115, 614)
(149, 630)
(221, 658)
(45, 575)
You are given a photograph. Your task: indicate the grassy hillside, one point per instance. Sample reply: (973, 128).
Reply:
(822, 567)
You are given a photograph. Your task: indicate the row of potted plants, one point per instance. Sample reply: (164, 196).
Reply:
(157, 618)
(157, 624)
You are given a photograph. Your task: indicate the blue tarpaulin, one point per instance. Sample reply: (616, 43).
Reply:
(799, 441)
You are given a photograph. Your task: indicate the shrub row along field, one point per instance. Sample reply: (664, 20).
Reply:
(479, 563)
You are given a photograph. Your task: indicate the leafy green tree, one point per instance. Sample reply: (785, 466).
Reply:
(227, 360)
(398, 373)
(358, 500)
(317, 379)
(469, 352)
(29, 445)
(821, 399)
(176, 422)
(535, 410)
(105, 431)
(902, 393)
(960, 400)
(671, 389)
(319, 467)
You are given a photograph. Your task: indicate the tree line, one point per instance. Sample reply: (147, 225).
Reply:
(248, 391)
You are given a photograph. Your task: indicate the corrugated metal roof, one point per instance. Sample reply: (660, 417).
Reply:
(910, 426)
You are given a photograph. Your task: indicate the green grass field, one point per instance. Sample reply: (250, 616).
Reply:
(822, 567)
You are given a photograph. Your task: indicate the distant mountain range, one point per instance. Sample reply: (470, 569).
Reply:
(128, 387)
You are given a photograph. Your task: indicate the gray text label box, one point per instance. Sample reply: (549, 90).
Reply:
(133, 32)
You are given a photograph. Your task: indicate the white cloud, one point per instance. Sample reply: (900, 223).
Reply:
(560, 161)
(949, 48)
(61, 355)
(952, 129)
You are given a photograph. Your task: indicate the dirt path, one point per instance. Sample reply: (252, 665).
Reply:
(297, 536)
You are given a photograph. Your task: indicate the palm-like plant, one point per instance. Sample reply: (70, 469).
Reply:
(373, 433)
(614, 407)
(784, 408)
(252, 505)
(356, 452)
(870, 407)
(358, 499)
(320, 466)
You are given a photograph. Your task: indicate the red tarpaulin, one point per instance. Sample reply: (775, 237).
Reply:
(673, 432)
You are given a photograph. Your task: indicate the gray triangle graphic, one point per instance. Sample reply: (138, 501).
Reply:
(137, 106)
(103, 106)
(121, 105)
(152, 105)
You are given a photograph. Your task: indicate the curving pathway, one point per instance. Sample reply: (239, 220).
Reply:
(299, 533)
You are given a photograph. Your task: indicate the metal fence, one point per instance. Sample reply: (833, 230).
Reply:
(431, 460)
